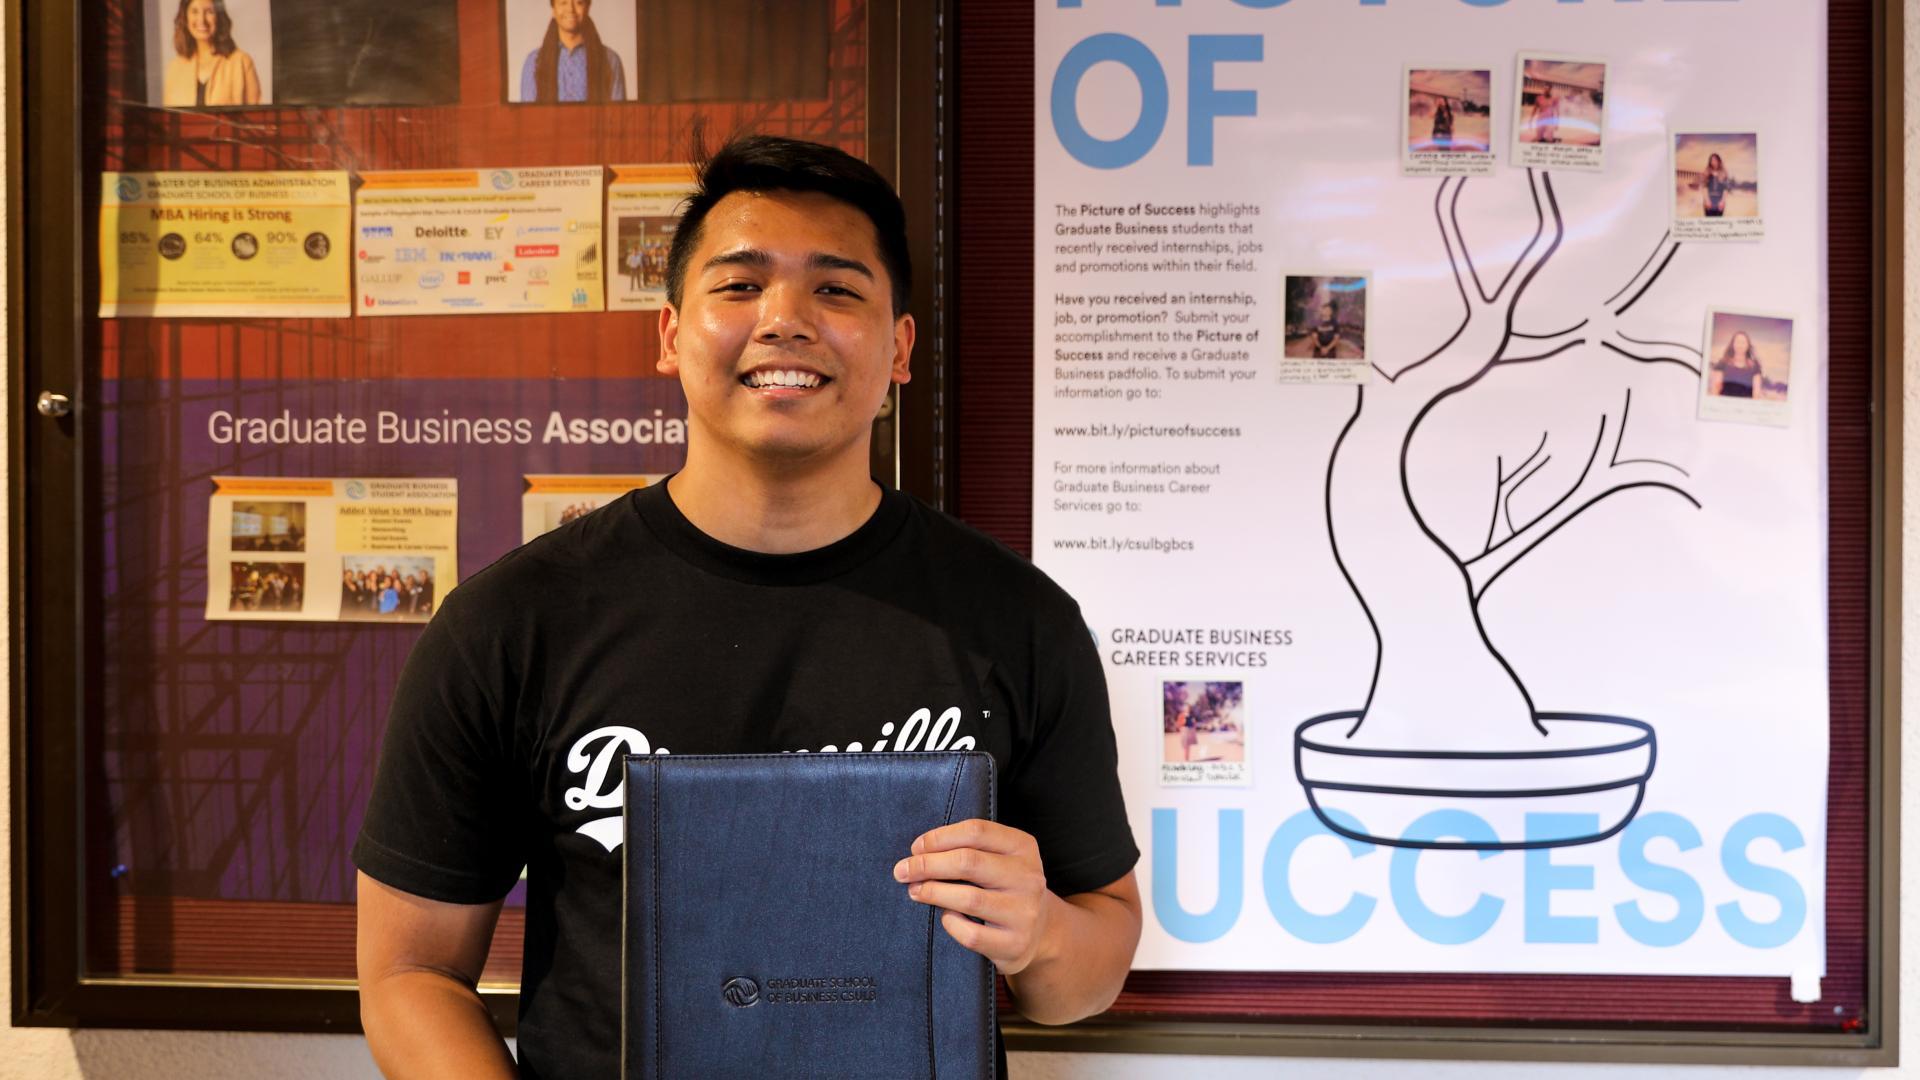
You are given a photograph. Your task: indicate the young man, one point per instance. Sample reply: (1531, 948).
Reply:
(769, 597)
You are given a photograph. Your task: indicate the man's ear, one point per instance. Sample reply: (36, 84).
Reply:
(669, 363)
(902, 348)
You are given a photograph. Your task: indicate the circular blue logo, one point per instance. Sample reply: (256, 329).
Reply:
(502, 180)
(128, 189)
(356, 490)
(740, 992)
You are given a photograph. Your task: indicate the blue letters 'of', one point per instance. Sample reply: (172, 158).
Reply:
(1131, 147)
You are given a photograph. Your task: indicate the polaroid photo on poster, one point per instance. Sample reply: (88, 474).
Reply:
(1325, 323)
(206, 55)
(568, 52)
(1203, 729)
(1716, 186)
(1560, 112)
(1446, 120)
(1748, 367)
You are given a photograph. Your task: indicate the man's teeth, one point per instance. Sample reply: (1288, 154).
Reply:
(782, 378)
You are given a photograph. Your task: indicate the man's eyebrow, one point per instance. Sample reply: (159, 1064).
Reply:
(821, 260)
(753, 257)
(761, 260)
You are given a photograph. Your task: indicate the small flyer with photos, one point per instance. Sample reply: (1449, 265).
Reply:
(643, 210)
(302, 549)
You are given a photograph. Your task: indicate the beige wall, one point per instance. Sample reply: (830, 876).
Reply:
(43, 1054)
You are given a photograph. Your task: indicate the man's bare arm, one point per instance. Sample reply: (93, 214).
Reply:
(419, 962)
(1064, 959)
(1084, 957)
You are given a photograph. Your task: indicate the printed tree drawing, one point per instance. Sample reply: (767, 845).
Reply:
(1495, 751)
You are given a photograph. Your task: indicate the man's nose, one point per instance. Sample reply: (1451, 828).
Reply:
(785, 314)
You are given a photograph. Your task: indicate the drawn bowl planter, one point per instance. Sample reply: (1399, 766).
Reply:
(1583, 784)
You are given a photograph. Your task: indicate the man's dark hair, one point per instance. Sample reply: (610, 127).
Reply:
(761, 163)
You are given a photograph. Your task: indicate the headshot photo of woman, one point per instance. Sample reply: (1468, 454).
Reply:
(566, 54)
(207, 67)
(1749, 357)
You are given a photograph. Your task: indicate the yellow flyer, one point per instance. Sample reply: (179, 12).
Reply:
(330, 549)
(551, 501)
(643, 210)
(478, 241)
(225, 244)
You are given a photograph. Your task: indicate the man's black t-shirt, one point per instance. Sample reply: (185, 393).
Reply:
(630, 631)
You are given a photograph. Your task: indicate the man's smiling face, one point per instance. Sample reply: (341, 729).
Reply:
(785, 339)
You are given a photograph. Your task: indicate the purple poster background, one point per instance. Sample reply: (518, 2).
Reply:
(238, 755)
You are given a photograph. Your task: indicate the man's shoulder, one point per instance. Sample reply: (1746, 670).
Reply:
(972, 560)
(552, 570)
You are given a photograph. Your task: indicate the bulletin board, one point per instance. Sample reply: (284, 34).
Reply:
(1072, 220)
(323, 325)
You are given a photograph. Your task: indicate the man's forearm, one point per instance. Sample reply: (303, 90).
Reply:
(1083, 960)
(425, 1025)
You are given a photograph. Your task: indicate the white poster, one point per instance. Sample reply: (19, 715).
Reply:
(1454, 541)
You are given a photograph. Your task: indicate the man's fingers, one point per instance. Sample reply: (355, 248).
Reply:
(998, 945)
(976, 833)
(995, 907)
(982, 868)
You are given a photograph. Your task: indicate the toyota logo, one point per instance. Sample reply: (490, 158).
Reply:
(740, 992)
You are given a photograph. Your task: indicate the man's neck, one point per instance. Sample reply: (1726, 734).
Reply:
(776, 511)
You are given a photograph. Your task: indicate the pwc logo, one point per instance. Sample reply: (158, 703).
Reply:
(740, 992)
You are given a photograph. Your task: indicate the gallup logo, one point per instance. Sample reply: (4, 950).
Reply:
(740, 992)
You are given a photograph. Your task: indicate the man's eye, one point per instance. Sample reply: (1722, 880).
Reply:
(736, 286)
(839, 290)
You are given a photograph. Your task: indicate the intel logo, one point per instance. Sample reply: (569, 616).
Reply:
(740, 992)
(432, 279)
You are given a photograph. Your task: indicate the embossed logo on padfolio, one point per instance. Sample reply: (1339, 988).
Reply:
(764, 935)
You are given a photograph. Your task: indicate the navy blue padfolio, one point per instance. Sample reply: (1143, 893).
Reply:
(764, 935)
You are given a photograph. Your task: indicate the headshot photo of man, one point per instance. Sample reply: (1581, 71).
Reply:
(569, 51)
